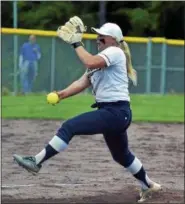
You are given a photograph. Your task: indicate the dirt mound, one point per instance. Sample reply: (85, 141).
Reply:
(85, 172)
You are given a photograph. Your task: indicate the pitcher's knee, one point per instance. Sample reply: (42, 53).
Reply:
(65, 132)
(124, 158)
(118, 159)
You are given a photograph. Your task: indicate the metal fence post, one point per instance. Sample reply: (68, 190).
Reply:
(148, 66)
(163, 68)
(52, 85)
(15, 42)
(15, 75)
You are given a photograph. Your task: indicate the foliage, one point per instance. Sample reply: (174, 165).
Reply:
(5, 91)
(138, 18)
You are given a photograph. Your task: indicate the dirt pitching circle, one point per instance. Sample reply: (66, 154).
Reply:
(85, 172)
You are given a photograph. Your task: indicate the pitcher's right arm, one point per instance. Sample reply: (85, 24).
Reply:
(75, 88)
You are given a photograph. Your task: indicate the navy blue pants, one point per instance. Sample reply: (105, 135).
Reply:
(111, 120)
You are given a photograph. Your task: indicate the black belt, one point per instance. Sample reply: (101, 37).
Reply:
(102, 104)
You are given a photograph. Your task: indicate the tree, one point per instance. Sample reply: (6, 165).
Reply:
(139, 18)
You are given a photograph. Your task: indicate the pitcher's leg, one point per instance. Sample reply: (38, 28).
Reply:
(88, 123)
(85, 124)
(118, 145)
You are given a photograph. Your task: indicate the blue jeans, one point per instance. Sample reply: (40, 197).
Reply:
(111, 120)
(28, 72)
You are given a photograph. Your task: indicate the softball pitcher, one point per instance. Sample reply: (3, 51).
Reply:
(108, 73)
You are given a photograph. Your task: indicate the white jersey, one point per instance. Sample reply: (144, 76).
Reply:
(110, 84)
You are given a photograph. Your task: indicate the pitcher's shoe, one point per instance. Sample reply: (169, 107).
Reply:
(144, 194)
(27, 162)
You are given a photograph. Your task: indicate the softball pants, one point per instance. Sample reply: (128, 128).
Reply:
(111, 120)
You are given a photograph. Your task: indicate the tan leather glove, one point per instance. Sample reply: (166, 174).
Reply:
(72, 31)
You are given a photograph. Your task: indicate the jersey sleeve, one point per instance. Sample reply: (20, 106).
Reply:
(111, 55)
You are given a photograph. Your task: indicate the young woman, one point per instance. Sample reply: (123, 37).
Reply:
(107, 73)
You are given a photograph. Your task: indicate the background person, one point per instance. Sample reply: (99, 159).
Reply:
(28, 63)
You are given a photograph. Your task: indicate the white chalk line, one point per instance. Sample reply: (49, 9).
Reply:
(17, 185)
(47, 185)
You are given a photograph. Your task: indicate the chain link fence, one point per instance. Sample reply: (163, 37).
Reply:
(160, 66)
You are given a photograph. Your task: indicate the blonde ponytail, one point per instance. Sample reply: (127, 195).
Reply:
(132, 74)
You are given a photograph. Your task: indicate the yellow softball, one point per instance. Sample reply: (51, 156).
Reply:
(52, 98)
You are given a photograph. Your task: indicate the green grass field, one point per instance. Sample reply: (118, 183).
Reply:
(148, 108)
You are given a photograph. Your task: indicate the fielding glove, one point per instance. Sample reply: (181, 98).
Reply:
(72, 31)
